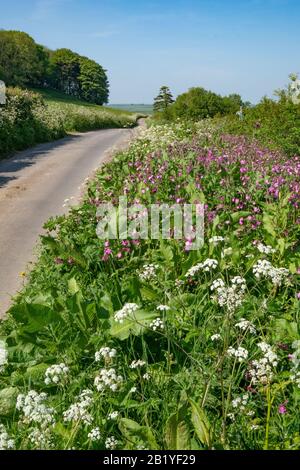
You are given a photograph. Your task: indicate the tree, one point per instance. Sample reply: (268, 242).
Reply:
(22, 61)
(65, 69)
(163, 100)
(93, 81)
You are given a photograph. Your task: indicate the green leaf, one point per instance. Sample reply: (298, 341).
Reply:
(200, 423)
(134, 433)
(237, 215)
(177, 434)
(133, 325)
(73, 286)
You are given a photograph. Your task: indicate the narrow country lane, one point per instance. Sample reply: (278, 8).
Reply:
(33, 187)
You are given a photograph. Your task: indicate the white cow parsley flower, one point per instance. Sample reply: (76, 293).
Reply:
(106, 353)
(56, 374)
(6, 442)
(240, 353)
(94, 435)
(125, 312)
(108, 380)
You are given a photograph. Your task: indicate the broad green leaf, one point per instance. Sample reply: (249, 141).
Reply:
(200, 423)
(135, 433)
(177, 434)
(133, 325)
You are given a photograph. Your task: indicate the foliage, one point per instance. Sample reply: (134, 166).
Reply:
(27, 119)
(220, 369)
(163, 100)
(25, 63)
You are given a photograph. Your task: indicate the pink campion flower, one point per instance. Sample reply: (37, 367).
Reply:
(58, 260)
(119, 255)
(298, 295)
(282, 408)
(241, 221)
(107, 251)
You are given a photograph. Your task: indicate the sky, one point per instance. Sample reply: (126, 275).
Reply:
(227, 46)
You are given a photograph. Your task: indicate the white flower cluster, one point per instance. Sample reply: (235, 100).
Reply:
(240, 353)
(263, 268)
(215, 337)
(3, 355)
(136, 364)
(157, 324)
(240, 402)
(111, 443)
(163, 308)
(216, 239)
(125, 312)
(148, 272)
(245, 325)
(113, 415)
(108, 380)
(78, 411)
(41, 440)
(6, 443)
(56, 374)
(106, 353)
(295, 377)
(207, 265)
(261, 370)
(94, 435)
(229, 297)
(266, 249)
(34, 410)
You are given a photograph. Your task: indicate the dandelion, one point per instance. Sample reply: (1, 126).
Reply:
(108, 380)
(94, 435)
(56, 374)
(125, 312)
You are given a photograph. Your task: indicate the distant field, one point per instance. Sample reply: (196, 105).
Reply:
(134, 108)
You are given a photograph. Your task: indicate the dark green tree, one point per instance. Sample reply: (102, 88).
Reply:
(93, 81)
(65, 69)
(163, 100)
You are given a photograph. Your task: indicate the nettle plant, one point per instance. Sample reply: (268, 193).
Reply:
(144, 344)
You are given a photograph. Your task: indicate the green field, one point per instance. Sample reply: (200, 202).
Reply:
(134, 108)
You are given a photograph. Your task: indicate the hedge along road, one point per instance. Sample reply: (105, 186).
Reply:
(33, 187)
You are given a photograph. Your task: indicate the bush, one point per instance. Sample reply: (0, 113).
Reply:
(274, 123)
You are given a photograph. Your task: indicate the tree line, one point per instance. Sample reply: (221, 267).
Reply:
(196, 103)
(25, 63)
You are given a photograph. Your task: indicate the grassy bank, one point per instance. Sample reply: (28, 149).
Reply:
(144, 344)
(30, 117)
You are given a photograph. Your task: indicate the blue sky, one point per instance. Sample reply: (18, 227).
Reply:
(243, 46)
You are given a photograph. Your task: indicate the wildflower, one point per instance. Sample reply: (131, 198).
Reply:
(163, 308)
(40, 439)
(146, 376)
(246, 325)
(78, 411)
(240, 402)
(266, 249)
(105, 353)
(149, 272)
(94, 435)
(215, 337)
(157, 324)
(133, 390)
(3, 355)
(216, 239)
(125, 312)
(34, 410)
(111, 443)
(206, 266)
(240, 353)
(282, 408)
(6, 442)
(108, 380)
(227, 252)
(261, 370)
(230, 297)
(113, 415)
(263, 268)
(136, 364)
(56, 374)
